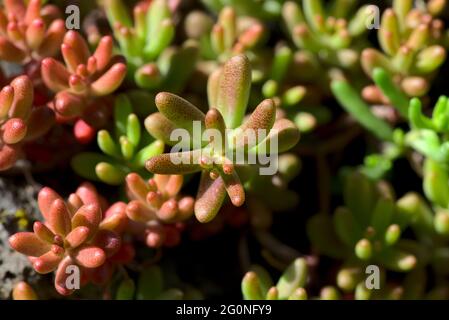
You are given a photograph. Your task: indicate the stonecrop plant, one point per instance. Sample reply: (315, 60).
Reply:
(145, 43)
(126, 153)
(224, 149)
(218, 160)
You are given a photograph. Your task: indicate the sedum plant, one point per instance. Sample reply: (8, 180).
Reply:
(228, 91)
(30, 31)
(19, 121)
(198, 107)
(230, 35)
(158, 209)
(124, 151)
(74, 233)
(145, 43)
(258, 285)
(265, 9)
(279, 83)
(411, 42)
(329, 34)
(81, 81)
(368, 228)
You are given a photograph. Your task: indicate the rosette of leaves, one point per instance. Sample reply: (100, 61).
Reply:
(29, 31)
(279, 85)
(257, 284)
(157, 206)
(411, 42)
(266, 10)
(230, 35)
(425, 138)
(145, 42)
(73, 233)
(19, 120)
(82, 81)
(125, 150)
(228, 93)
(331, 34)
(368, 228)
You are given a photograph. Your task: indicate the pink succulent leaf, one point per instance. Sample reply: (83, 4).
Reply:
(89, 216)
(211, 194)
(160, 127)
(77, 236)
(89, 256)
(164, 164)
(43, 232)
(28, 244)
(58, 218)
(139, 212)
(109, 81)
(49, 261)
(45, 199)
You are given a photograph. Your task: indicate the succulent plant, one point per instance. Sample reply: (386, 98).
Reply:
(328, 34)
(290, 93)
(145, 43)
(228, 91)
(74, 233)
(198, 108)
(83, 79)
(258, 285)
(368, 227)
(19, 120)
(229, 36)
(29, 31)
(265, 9)
(411, 41)
(125, 151)
(158, 207)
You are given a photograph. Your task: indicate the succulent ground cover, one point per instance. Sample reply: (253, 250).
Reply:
(259, 150)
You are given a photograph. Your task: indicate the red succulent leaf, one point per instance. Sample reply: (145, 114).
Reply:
(88, 215)
(28, 244)
(49, 261)
(89, 256)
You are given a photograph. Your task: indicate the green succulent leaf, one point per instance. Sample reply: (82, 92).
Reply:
(107, 144)
(397, 98)
(352, 102)
(295, 276)
(112, 174)
(133, 130)
(122, 110)
(153, 149)
(150, 283)
(84, 164)
(251, 287)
